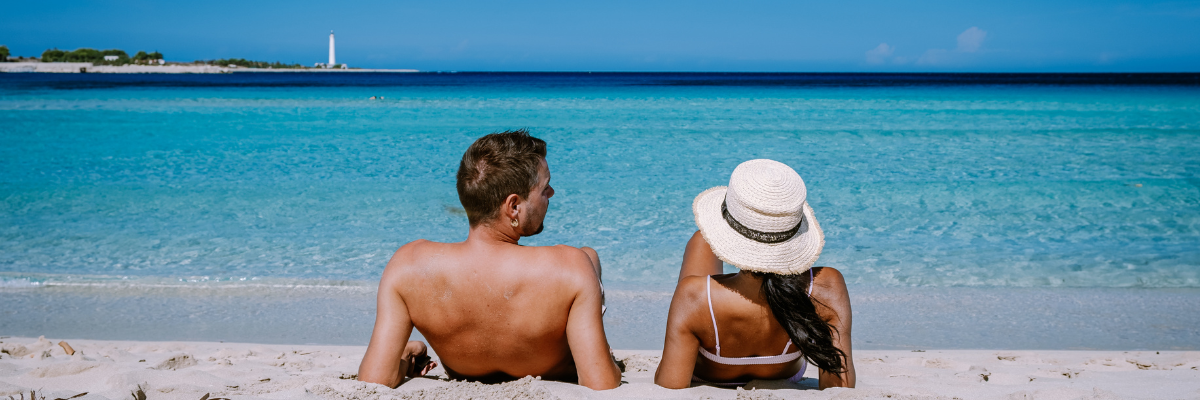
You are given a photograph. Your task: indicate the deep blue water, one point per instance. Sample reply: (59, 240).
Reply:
(1081, 180)
(598, 79)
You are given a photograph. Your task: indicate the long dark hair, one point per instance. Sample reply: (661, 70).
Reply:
(788, 297)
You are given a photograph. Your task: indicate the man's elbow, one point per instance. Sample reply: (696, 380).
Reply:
(605, 383)
(391, 382)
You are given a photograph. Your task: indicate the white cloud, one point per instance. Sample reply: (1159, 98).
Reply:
(879, 54)
(1106, 57)
(934, 57)
(970, 40)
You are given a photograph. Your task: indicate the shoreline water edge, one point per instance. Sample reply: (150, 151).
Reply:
(323, 312)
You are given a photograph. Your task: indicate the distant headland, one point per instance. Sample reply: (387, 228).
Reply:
(87, 60)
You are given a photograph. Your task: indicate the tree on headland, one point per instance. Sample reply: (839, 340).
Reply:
(122, 57)
(241, 62)
(142, 58)
(53, 55)
(86, 55)
(3, 53)
(83, 55)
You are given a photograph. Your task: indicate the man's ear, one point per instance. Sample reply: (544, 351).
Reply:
(511, 206)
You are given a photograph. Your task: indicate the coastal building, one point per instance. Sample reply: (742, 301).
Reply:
(110, 58)
(332, 58)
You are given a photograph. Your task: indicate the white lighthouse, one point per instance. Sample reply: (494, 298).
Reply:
(332, 58)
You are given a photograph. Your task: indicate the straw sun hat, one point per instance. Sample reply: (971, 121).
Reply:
(761, 221)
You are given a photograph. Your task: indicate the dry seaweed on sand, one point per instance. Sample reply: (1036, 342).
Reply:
(34, 396)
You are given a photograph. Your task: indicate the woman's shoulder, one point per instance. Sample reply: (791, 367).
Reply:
(695, 287)
(828, 277)
(829, 288)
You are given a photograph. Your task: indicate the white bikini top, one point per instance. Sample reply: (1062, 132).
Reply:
(779, 359)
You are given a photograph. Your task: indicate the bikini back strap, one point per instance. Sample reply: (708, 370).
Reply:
(717, 336)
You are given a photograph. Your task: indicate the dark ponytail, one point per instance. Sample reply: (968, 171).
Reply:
(788, 297)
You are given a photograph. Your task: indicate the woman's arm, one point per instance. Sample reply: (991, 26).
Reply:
(681, 345)
(833, 305)
(698, 259)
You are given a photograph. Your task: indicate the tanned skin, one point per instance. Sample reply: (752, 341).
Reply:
(746, 323)
(494, 310)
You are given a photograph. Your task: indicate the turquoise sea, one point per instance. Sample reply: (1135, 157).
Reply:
(125, 187)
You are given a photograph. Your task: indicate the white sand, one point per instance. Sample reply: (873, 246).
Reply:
(189, 370)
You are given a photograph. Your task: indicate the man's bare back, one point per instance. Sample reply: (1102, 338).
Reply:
(494, 310)
(498, 311)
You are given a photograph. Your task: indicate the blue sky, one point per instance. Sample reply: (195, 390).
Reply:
(645, 35)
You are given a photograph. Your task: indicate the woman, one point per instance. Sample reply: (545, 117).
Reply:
(775, 315)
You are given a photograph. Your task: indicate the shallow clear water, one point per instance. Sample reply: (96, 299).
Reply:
(237, 177)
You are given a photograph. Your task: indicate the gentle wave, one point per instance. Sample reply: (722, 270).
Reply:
(25, 281)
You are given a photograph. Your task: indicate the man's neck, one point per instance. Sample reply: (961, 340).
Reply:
(486, 234)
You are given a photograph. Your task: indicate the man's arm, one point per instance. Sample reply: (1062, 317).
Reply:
(585, 332)
(833, 305)
(389, 354)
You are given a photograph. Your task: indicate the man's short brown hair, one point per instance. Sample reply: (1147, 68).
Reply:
(496, 166)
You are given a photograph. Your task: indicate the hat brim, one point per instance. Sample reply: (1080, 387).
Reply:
(789, 257)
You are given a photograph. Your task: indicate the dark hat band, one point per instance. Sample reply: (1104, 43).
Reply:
(760, 236)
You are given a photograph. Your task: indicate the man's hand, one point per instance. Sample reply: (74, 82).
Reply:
(419, 363)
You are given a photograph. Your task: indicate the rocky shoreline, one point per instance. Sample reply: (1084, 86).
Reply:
(76, 68)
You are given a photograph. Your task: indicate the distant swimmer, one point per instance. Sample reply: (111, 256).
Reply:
(372, 98)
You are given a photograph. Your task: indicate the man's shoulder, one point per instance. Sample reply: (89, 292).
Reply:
(411, 254)
(561, 250)
(561, 263)
(413, 249)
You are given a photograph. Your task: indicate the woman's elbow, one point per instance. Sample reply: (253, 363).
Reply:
(668, 383)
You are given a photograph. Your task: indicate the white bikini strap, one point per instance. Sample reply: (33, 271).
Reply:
(786, 347)
(708, 288)
(810, 282)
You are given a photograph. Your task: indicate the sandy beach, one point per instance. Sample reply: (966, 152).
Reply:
(190, 370)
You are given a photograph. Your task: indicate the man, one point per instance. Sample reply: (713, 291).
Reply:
(494, 310)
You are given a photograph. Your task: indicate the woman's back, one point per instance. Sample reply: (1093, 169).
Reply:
(745, 325)
(745, 341)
